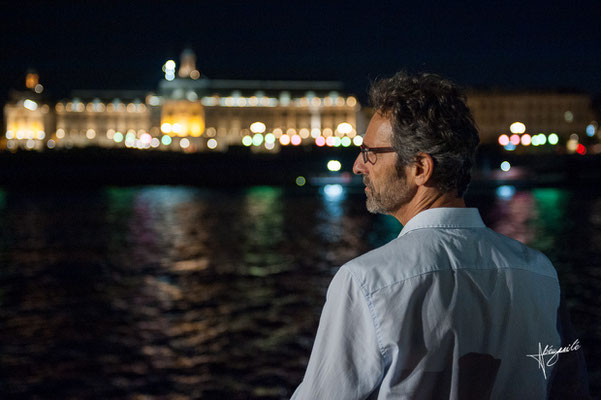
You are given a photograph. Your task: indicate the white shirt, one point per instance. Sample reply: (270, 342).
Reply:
(448, 309)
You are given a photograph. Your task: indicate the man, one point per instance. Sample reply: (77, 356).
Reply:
(449, 309)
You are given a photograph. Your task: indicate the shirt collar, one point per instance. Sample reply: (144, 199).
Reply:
(454, 217)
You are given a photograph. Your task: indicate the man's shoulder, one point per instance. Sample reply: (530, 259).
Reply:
(399, 259)
(430, 251)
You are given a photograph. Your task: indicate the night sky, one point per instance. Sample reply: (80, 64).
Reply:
(106, 45)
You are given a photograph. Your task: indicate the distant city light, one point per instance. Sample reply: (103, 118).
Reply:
(300, 181)
(247, 141)
(526, 139)
(346, 141)
(581, 149)
(296, 140)
(30, 144)
(590, 130)
(515, 140)
(155, 142)
(270, 138)
(503, 140)
(315, 133)
(166, 140)
(146, 138)
(184, 143)
(51, 144)
(40, 135)
(517, 127)
(568, 116)
(542, 139)
(257, 127)
(285, 140)
(505, 166)
(334, 165)
(509, 147)
(330, 141)
(553, 139)
(91, 134)
(345, 128)
(351, 101)
(320, 141)
(257, 139)
(177, 128)
(358, 141)
(211, 143)
(169, 69)
(38, 88)
(118, 137)
(166, 127)
(269, 145)
(30, 105)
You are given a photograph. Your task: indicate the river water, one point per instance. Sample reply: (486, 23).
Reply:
(165, 292)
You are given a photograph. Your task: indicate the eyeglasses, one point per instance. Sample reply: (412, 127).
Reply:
(370, 153)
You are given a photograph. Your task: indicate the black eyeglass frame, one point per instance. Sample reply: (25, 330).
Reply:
(365, 152)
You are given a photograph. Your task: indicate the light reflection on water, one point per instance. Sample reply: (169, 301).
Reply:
(187, 293)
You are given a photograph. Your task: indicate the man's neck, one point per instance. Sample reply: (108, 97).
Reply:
(425, 199)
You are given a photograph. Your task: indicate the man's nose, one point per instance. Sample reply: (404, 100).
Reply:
(359, 165)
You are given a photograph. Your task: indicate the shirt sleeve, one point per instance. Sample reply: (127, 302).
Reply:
(345, 362)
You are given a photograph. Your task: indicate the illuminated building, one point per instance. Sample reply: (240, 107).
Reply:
(516, 118)
(193, 113)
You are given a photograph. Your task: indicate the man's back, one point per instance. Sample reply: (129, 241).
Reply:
(452, 310)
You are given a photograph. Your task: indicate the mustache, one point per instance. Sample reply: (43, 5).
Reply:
(366, 181)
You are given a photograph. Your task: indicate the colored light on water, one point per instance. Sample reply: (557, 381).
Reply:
(285, 140)
(346, 141)
(526, 139)
(515, 140)
(509, 147)
(503, 140)
(505, 192)
(590, 130)
(333, 191)
(300, 181)
(517, 127)
(505, 166)
(581, 149)
(358, 141)
(320, 141)
(296, 140)
(334, 165)
(553, 139)
(257, 139)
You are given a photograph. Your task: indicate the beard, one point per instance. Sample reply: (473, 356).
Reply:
(392, 193)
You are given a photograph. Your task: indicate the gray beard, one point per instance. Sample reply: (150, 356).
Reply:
(394, 194)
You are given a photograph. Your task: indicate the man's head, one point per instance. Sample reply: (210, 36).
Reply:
(422, 116)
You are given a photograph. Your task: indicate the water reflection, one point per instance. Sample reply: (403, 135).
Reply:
(181, 292)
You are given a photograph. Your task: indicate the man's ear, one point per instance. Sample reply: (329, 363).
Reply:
(423, 168)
